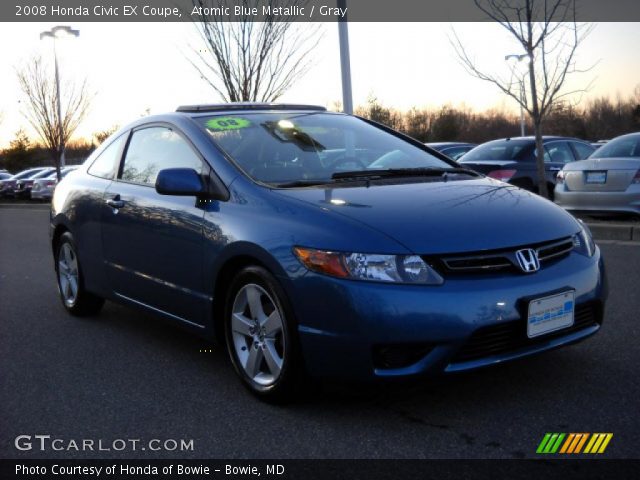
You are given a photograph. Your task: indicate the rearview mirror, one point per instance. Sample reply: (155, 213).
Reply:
(180, 181)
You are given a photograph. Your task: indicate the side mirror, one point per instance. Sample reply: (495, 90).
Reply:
(180, 181)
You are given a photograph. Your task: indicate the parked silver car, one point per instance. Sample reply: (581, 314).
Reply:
(42, 188)
(7, 186)
(23, 186)
(608, 181)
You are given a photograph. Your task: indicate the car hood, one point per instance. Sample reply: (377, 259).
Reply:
(446, 217)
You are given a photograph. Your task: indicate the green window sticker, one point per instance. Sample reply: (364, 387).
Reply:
(221, 124)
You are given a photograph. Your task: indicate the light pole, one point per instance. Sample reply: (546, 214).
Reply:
(345, 62)
(55, 33)
(522, 61)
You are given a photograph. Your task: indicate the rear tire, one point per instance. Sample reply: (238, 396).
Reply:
(75, 299)
(262, 337)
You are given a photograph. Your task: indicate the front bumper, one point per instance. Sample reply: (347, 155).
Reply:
(345, 325)
(627, 201)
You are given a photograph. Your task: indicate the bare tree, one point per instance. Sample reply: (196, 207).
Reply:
(39, 88)
(549, 34)
(253, 61)
(102, 135)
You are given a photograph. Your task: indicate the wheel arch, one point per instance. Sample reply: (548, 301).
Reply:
(58, 230)
(228, 264)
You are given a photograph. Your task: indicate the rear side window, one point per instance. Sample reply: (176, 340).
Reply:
(558, 152)
(105, 165)
(582, 150)
(153, 149)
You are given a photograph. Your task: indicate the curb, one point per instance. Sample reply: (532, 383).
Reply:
(28, 206)
(617, 232)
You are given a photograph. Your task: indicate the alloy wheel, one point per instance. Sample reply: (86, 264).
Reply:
(68, 274)
(257, 334)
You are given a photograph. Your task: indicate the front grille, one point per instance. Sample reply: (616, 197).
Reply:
(499, 260)
(510, 336)
(555, 250)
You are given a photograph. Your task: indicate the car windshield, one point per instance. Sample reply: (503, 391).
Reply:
(499, 150)
(281, 148)
(625, 147)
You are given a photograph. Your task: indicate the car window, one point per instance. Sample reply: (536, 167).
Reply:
(500, 150)
(455, 152)
(620, 147)
(26, 174)
(104, 166)
(558, 152)
(43, 174)
(582, 150)
(153, 149)
(301, 146)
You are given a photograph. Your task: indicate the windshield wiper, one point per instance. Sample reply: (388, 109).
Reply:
(400, 172)
(301, 183)
(379, 173)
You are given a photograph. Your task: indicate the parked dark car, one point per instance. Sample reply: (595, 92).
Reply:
(453, 150)
(317, 244)
(8, 185)
(23, 186)
(513, 160)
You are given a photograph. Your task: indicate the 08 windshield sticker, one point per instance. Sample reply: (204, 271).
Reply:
(221, 124)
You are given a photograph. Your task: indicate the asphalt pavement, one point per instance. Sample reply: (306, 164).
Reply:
(127, 375)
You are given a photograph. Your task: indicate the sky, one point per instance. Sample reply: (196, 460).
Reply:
(135, 67)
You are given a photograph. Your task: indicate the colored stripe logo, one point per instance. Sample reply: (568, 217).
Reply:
(574, 443)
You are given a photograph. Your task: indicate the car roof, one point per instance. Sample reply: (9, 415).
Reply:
(447, 144)
(545, 138)
(252, 106)
(626, 135)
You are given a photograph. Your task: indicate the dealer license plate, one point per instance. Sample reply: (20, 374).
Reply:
(549, 314)
(598, 178)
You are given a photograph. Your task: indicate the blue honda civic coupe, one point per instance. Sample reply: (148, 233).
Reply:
(317, 244)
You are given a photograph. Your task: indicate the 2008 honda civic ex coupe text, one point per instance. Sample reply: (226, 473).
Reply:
(318, 244)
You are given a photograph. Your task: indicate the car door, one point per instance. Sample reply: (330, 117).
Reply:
(152, 243)
(557, 154)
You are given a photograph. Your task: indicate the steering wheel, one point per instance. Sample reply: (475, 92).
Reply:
(341, 159)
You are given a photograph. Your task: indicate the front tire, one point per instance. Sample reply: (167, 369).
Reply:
(261, 336)
(75, 299)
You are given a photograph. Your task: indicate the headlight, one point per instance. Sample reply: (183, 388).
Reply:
(583, 241)
(371, 267)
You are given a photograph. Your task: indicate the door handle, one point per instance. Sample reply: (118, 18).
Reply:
(115, 202)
